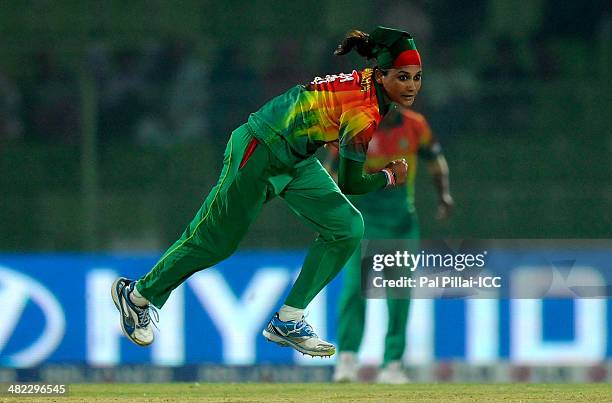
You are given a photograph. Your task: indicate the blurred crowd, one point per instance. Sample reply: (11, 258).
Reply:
(164, 92)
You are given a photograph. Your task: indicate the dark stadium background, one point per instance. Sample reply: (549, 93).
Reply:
(114, 116)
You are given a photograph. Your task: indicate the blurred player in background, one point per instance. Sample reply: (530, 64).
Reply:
(388, 214)
(273, 155)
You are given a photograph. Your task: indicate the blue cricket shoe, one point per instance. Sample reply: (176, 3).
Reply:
(135, 321)
(299, 335)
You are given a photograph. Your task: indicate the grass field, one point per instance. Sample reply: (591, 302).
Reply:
(261, 392)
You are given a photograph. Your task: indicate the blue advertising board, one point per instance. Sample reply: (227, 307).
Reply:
(56, 308)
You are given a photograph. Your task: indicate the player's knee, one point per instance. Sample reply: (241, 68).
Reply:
(225, 251)
(355, 226)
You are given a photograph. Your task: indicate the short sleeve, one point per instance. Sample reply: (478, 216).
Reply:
(425, 136)
(356, 129)
(429, 148)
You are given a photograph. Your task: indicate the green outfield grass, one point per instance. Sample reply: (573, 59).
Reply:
(257, 392)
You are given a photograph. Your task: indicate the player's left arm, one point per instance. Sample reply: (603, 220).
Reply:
(431, 151)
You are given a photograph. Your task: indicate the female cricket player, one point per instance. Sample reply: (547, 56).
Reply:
(387, 214)
(273, 155)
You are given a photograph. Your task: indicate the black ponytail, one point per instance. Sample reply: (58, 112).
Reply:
(356, 39)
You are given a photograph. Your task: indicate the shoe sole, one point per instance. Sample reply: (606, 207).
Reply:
(115, 297)
(287, 343)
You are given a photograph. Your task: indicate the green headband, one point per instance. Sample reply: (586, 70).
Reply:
(393, 48)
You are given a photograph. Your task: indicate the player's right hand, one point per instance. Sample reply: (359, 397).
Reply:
(399, 169)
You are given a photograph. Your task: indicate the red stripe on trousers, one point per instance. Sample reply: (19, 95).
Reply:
(248, 152)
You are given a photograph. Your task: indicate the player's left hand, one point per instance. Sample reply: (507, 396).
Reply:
(445, 207)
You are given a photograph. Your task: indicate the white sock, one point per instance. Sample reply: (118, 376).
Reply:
(287, 313)
(348, 357)
(138, 299)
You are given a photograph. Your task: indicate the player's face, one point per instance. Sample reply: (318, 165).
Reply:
(401, 84)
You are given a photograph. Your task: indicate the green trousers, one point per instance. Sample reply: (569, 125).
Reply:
(235, 201)
(352, 304)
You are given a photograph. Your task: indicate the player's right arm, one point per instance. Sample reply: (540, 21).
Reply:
(331, 164)
(352, 179)
(356, 130)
